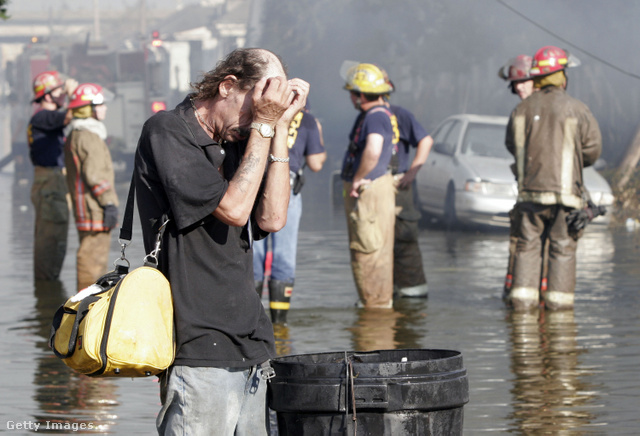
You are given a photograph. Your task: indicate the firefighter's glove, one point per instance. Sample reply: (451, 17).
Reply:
(594, 210)
(578, 219)
(110, 216)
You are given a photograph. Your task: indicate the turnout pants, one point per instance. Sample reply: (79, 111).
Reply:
(49, 198)
(92, 257)
(536, 224)
(408, 271)
(370, 224)
(513, 242)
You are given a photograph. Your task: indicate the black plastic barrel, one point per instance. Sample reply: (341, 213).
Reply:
(375, 393)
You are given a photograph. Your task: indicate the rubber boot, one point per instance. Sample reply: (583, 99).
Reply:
(523, 298)
(554, 300)
(279, 300)
(259, 285)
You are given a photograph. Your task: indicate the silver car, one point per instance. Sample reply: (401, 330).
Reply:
(468, 178)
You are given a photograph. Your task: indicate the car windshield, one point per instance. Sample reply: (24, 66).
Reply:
(485, 140)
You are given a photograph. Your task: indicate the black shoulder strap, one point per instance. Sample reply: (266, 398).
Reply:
(126, 230)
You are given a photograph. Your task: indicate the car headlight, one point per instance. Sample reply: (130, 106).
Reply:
(485, 187)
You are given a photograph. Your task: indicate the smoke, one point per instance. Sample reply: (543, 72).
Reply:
(444, 56)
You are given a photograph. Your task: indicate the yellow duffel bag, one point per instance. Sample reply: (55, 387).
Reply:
(121, 326)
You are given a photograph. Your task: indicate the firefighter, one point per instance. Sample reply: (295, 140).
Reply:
(49, 190)
(552, 137)
(409, 279)
(91, 178)
(369, 197)
(516, 72)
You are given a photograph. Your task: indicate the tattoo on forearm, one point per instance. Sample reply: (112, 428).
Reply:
(248, 167)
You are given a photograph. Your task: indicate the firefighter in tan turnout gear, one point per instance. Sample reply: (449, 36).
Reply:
(91, 181)
(552, 137)
(369, 197)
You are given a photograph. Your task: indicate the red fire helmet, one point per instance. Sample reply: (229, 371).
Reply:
(549, 59)
(516, 69)
(89, 93)
(46, 82)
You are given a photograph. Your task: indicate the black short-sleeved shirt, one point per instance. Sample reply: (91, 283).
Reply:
(46, 138)
(220, 320)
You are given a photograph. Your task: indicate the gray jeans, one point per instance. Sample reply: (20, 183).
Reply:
(213, 401)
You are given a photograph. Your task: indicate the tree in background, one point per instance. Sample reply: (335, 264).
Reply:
(3, 9)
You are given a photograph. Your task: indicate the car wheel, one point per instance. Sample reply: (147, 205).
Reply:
(450, 219)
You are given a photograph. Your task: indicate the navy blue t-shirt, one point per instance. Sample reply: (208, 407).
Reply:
(46, 138)
(375, 120)
(411, 133)
(303, 140)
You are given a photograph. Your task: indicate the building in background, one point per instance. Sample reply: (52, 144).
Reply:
(148, 57)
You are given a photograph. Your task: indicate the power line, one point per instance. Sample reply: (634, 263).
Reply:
(539, 26)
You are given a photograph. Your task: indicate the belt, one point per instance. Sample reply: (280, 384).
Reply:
(40, 169)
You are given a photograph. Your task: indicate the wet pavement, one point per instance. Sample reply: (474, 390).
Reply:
(569, 373)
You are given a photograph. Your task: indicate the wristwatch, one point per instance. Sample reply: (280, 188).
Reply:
(264, 129)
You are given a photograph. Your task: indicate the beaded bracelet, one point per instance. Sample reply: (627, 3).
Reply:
(272, 158)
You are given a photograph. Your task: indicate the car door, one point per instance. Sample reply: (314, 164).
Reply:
(439, 166)
(425, 180)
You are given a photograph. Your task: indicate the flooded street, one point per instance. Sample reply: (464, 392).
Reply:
(568, 373)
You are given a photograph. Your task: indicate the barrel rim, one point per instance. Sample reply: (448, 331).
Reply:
(296, 358)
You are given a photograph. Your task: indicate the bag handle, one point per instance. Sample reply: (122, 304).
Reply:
(107, 281)
(83, 308)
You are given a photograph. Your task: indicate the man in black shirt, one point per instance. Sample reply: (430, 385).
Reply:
(49, 190)
(217, 166)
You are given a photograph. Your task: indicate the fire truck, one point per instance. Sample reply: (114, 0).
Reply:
(146, 71)
(145, 77)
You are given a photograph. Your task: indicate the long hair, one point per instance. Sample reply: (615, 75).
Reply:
(248, 65)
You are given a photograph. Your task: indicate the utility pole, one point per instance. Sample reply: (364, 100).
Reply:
(143, 19)
(96, 20)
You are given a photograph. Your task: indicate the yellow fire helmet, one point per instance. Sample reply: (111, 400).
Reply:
(368, 79)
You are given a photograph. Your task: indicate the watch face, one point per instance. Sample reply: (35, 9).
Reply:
(266, 131)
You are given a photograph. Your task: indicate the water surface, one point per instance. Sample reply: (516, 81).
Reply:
(569, 373)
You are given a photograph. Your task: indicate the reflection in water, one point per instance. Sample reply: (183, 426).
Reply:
(283, 339)
(549, 395)
(375, 330)
(595, 266)
(67, 401)
(594, 392)
(410, 328)
(384, 329)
